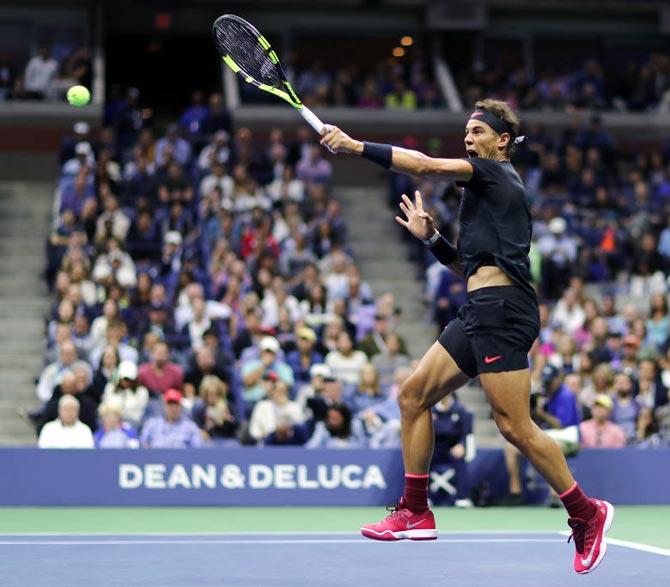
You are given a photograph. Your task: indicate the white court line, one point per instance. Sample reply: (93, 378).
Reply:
(266, 533)
(633, 545)
(270, 541)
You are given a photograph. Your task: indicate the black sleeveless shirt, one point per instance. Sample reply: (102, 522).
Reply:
(495, 221)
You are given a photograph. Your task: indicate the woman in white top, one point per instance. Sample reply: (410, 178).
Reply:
(125, 389)
(277, 408)
(345, 362)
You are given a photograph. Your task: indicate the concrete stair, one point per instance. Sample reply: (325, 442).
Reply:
(373, 236)
(25, 212)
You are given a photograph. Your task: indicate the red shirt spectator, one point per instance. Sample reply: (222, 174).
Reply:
(160, 374)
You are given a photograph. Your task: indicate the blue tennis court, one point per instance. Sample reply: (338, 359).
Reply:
(317, 559)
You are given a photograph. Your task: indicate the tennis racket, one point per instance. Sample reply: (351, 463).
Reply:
(248, 54)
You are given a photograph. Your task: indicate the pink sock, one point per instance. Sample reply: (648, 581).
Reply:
(416, 492)
(577, 504)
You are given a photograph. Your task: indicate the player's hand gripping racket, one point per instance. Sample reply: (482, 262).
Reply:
(248, 53)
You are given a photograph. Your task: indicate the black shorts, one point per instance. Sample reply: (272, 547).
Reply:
(493, 331)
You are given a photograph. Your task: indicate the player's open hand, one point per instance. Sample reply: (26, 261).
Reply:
(418, 222)
(338, 141)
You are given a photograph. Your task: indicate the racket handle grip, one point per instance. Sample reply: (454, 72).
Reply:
(312, 119)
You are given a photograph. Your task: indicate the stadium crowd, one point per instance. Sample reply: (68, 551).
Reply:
(405, 84)
(44, 77)
(204, 294)
(635, 86)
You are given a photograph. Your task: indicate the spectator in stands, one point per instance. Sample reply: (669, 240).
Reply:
(253, 370)
(126, 391)
(173, 430)
(369, 392)
(202, 364)
(650, 390)
(116, 337)
(390, 358)
(626, 409)
(217, 117)
(212, 411)
(114, 432)
(338, 430)
(314, 169)
(160, 374)
(7, 75)
(318, 373)
(49, 377)
(172, 147)
(113, 222)
(346, 362)
(401, 97)
(305, 356)
(453, 424)
(194, 116)
(75, 382)
(276, 408)
(66, 431)
(599, 431)
(41, 69)
(559, 253)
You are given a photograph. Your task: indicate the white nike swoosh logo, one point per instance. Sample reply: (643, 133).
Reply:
(410, 525)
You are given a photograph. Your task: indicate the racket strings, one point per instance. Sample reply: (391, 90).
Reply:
(236, 40)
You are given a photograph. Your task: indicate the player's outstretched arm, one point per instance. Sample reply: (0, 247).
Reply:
(421, 225)
(396, 158)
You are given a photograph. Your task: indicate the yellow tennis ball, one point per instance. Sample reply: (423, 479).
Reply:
(78, 96)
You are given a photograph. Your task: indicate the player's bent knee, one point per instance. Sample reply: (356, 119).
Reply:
(411, 399)
(517, 434)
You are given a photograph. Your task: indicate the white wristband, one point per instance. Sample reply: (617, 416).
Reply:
(433, 239)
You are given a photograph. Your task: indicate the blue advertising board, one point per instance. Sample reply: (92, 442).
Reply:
(287, 476)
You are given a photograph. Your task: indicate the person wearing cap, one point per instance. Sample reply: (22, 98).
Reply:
(600, 431)
(125, 390)
(304, 357)
(494, 330)
(559, 253)
(114, 432)
(172, 430)
(80, 133)
(254, 369)
(630, 348)
(171, 255)
(318, 373)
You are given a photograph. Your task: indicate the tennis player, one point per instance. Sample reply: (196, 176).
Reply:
(494, 330)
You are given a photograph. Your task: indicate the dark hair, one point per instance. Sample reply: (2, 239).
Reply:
(345, 412)
(504, 111)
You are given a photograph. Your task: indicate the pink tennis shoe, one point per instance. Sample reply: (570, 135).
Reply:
(589, 536)
(402, 524)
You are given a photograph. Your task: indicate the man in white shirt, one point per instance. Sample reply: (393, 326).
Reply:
(40, 70)
(66, 431)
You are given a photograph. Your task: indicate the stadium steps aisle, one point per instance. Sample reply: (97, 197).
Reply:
(373, 237)
(25, 212)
